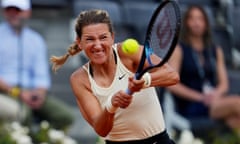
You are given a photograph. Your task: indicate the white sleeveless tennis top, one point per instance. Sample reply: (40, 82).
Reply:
(142, 119)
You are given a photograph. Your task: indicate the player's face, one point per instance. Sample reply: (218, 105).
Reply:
(16, 17)
(97, 42)
(196, 22)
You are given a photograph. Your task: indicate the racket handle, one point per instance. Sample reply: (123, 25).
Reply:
(147, 83)
(128, 91)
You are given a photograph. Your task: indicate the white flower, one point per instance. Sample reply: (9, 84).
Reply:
(24, 140)
(21, 138)
(68, 140)
(16, 126)
(25, 130)
(44, 124)
(197, 141)
(16, 135)
(56, 135)
(186, 137)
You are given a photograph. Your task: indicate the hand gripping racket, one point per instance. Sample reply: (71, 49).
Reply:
(161, 37)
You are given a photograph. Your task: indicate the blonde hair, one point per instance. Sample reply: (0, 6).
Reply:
(57, 62)
(84, 18)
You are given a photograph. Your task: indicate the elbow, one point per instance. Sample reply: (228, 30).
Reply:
(102, 132)
(101, 129)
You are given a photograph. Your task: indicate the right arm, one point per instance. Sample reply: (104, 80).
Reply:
(180, 89)
(99, 118)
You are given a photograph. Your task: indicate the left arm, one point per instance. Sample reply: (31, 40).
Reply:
(164, 76)
(161, 76)
(222, 86)
(222, 80)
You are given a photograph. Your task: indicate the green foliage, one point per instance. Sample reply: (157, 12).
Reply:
(5, 137)
(229, 138)
(41, 135)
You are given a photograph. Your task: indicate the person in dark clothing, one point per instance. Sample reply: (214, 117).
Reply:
(202, 91)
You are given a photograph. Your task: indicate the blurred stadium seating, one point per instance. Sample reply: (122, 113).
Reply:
(137, 15)
(51, 3)
(236, 26)
(223, 38)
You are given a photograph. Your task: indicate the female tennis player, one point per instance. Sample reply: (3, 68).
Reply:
(100, 84)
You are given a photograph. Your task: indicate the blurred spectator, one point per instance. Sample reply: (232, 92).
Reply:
(24, 73)
(202, 92)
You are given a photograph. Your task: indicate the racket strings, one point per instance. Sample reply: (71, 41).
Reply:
(163, 31)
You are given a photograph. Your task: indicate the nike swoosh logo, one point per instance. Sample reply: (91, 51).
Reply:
(121, 77)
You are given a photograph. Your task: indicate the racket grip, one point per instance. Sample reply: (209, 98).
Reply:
(128, 91)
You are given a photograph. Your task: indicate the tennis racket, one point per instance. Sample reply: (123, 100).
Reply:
(161, 37)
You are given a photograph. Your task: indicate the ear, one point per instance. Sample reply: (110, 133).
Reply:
(113, 37)
(78, 41)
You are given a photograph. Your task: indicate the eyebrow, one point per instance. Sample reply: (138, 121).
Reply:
(88, 35)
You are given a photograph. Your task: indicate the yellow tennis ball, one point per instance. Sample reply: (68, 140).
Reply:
(130, 46)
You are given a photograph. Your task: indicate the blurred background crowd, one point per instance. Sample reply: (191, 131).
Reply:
(54, 21)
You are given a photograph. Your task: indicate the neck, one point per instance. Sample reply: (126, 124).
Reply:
(197, 43)
(107, 69)
(16, 28)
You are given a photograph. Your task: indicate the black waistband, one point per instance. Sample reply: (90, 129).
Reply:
(161, 138)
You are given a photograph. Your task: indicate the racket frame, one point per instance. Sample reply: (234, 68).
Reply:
(147, 50)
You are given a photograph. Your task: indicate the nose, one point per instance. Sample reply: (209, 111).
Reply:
(97, 44)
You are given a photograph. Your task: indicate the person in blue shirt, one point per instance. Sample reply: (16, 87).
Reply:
(24, 72)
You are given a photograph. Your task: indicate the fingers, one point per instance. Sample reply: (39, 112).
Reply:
(32, 100)
(135, 85)
(121, 99)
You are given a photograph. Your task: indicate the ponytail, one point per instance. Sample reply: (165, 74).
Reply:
(59, 61)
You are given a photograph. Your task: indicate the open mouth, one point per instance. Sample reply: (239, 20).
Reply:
(98, 53)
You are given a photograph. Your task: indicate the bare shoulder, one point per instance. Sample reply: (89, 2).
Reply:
(178, 50)
(177, 53)
(219, 50)
(79, 78)
(130, 61)
(220, 54)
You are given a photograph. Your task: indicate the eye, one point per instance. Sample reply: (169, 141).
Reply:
(89, 39)
(104, 37)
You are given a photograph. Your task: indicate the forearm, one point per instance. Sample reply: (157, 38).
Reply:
(104, 123)
(164, 76)
(186, 93)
